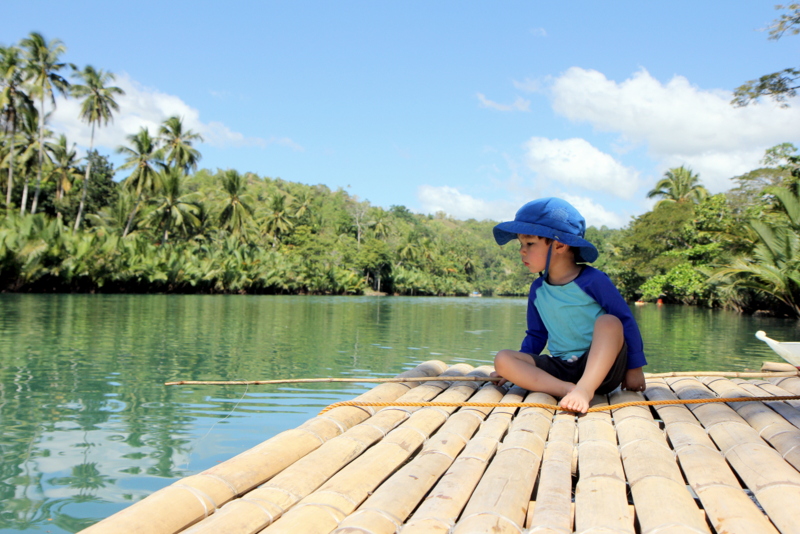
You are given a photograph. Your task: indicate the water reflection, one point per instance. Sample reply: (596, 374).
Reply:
(88, 427)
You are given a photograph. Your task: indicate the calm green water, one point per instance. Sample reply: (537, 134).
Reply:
(88, 427)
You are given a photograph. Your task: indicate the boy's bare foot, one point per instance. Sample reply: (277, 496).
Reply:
(577, 400)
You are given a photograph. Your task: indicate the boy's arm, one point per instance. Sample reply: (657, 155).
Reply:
(634, 380)
(536, 333)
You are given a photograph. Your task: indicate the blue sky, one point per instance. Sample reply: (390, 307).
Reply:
(472, 108)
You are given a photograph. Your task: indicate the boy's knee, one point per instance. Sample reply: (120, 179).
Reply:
(608, 322)
(502, 359)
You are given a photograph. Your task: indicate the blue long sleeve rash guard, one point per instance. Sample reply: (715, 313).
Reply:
(598, 287)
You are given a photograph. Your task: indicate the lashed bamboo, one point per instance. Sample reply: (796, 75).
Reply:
(264, 505)
(600, 494)
(778, 432)
(500, 501)
(656, 483)
(789, 384)
(323, 509)
(439, 511)
(726, 505)
(789, 410)
(726, 374)
(187, 501)
(778, 366)
(552, 512)
(774, 482)
(391, 504)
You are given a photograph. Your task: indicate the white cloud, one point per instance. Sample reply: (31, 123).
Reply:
(576, 162)
(462, 206)
(147, 107)
(520, 104)
(539, 32)
(595, 214)
(679, 123)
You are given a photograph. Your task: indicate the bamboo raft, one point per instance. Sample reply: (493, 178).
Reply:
(708, 467)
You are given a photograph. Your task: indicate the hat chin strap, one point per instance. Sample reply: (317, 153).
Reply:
(547, 263)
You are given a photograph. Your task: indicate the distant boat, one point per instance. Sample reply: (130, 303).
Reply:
(788, 350)
(475, 294)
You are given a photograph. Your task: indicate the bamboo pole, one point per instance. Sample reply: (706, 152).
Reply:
(773, 428)
(789, 410)
(726, 505)
(775, 483)
(263, 506)
(656, 483)
(374, 380)
(601, 501)
(500, 501)
(322, 510)
(189, 500)
(552, 512)
(397, 497)
(440, 509)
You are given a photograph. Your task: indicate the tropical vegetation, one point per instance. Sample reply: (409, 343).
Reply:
(161, 224)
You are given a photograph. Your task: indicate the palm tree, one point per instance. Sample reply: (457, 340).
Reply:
(42, 70)
(277, 221)
(178, 144)
(237, 210)
(142, 156)
(774, 268)
(64, 169)
(174, 209)
(12, 100)
(96, 109)
(678, 185)
(28, 160)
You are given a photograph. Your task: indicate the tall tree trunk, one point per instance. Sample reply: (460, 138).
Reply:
(41, 159)
(133, 214)
(85, 184)
(24, 203)
(11, 162)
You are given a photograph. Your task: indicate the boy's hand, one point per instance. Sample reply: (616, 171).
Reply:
(500, 382)
(634, 380)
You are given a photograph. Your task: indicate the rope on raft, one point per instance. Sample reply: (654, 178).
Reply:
(554, 407)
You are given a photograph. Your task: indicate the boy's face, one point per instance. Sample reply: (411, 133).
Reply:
(533, 250)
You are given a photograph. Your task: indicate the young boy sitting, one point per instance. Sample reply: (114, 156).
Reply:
(575, 309)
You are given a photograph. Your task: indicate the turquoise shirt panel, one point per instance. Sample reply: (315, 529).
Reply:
(569, 315)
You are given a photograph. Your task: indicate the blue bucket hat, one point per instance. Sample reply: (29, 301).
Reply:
(553, 218)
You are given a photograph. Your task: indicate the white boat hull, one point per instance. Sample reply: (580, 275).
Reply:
(789, 351)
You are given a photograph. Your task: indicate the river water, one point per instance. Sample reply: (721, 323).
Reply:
(89, 428)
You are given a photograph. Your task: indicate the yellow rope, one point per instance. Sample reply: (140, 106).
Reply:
(554, 407)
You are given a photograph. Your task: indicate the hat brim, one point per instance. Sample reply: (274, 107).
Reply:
(507, 231)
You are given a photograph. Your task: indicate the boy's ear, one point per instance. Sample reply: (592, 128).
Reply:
(559, 247)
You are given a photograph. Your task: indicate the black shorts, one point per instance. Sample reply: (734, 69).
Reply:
(573, 371)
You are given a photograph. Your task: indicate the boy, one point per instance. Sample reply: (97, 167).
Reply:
(594, 342)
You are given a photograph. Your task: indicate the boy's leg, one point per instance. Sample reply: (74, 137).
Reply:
(607, 341)
(520, 368)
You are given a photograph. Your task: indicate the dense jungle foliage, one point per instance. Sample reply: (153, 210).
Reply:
(161, 225)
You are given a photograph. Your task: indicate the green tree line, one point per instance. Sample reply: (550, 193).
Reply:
(166, 226)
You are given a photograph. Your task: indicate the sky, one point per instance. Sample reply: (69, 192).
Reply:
(471, 108)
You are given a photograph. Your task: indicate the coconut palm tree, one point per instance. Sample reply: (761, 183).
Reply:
(96, 109)
(28, 160)
(65, 162)
(277, 220)
(174, 209)
(144, 157)
(177, 144)
(678, 185)
(42, 72)
(12, 100)
(238, 206)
